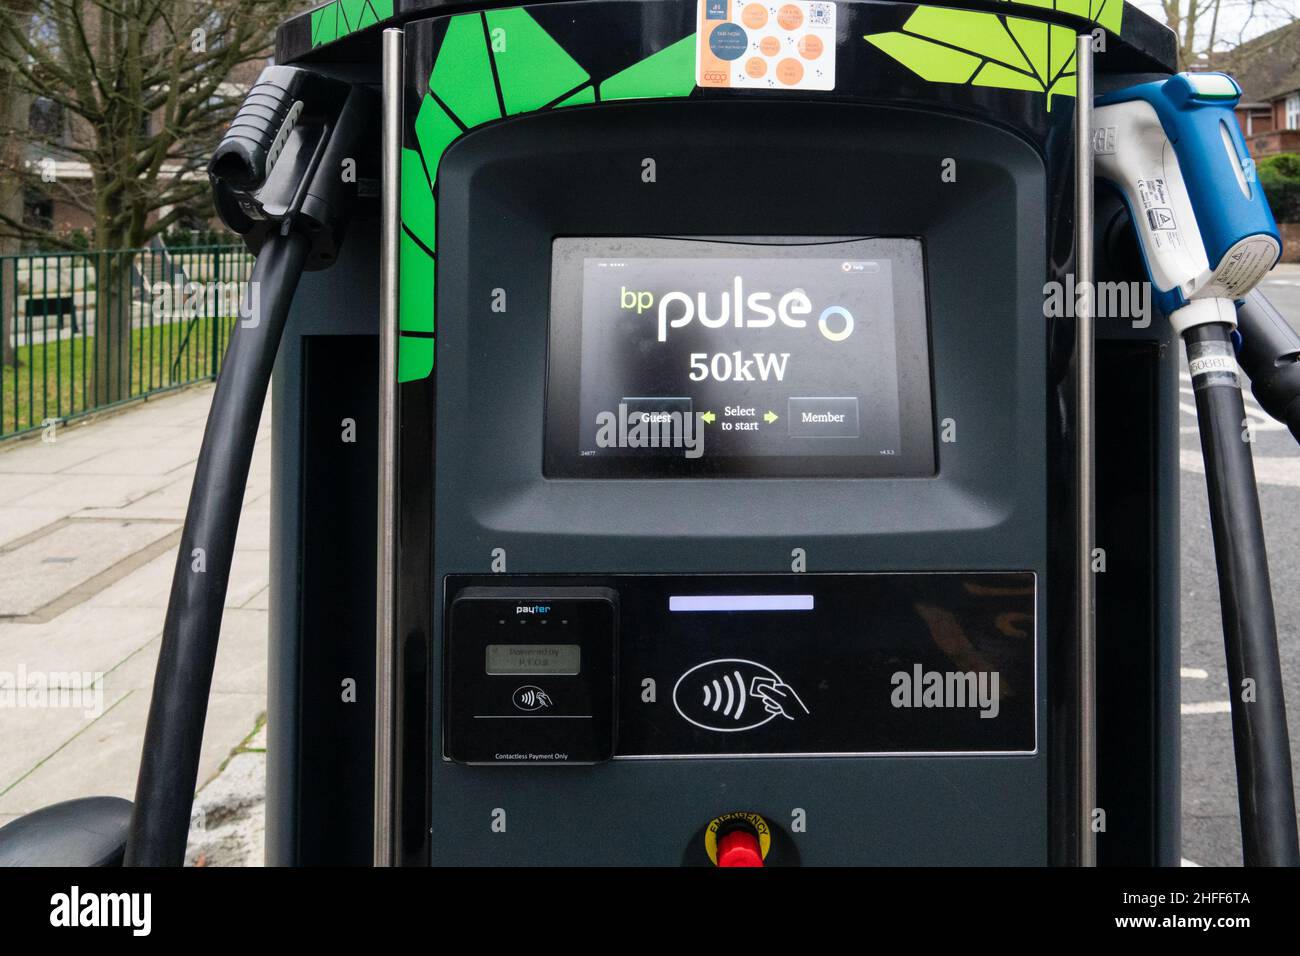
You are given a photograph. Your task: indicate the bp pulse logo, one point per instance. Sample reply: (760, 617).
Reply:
(732, 694)
(755, 310)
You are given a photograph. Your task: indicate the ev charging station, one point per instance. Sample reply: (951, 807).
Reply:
(708, 441)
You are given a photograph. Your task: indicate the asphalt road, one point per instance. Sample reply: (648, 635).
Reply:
(1211, 825)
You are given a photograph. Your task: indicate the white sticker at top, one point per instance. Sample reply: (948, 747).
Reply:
(757, 45)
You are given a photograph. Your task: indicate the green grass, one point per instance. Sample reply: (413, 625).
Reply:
(57, 380)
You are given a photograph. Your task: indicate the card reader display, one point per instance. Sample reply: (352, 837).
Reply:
(703, 358)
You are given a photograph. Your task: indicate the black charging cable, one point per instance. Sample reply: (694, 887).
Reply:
(1260, 738)
(278, 182)
(169, 765)
(1270, 357)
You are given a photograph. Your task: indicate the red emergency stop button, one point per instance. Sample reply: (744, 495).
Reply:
(739, 847)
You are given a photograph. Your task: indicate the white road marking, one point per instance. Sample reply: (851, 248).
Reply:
(1207, 707)
(1193, 672)
(1187, 862)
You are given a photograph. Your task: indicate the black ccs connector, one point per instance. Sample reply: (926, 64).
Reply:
(295, 154)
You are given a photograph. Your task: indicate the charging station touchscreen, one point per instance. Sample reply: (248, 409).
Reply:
(759, 359)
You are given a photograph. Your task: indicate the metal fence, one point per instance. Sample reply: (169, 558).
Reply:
(83, 331)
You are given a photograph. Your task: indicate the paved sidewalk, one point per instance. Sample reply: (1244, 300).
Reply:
(89, 527)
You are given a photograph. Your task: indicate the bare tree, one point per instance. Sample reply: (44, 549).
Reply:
(142, 86)
(13, 113)
(1206, 27)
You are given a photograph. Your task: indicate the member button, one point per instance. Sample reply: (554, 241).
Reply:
(824, 417)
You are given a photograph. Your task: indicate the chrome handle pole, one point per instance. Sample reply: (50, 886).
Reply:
(1085, 439)
(386, 556)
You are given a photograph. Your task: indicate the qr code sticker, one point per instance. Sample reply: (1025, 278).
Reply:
(819, 14)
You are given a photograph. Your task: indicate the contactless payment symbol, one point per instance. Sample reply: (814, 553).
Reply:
(766, 44)
(732, 694)
(530, 698)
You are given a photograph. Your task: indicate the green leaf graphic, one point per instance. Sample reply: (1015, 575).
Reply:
(336, 20)
(468, 86)
(943, 45)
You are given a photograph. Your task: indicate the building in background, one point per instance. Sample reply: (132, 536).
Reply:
(1268, 69)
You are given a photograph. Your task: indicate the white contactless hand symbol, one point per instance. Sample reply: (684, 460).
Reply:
(778, 698)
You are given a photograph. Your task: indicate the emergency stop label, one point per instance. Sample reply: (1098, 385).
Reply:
(751, 44)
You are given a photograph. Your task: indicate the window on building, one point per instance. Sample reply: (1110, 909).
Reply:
(45, 118)
(1293, 111)
(38, 211)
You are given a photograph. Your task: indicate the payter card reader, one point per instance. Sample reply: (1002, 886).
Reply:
(533, 671)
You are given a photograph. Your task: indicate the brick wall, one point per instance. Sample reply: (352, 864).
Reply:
(1290, 241)
(68, 217)
(1277, 141)
(1255, 120)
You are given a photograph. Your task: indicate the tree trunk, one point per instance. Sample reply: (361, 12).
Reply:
(114, 300)
(8, 298)
(13, 115)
